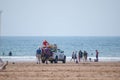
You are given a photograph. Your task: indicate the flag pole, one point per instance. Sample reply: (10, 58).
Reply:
(0, 23)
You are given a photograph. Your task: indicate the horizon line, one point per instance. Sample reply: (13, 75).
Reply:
(60, 36)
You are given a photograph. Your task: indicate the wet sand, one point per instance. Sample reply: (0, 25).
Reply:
(67, 71)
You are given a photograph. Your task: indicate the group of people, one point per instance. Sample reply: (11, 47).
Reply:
(78, 56)
(46, 50)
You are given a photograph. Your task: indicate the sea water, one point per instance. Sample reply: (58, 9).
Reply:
(24, 48)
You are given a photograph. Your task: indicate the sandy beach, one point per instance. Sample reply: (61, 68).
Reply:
(68, 71)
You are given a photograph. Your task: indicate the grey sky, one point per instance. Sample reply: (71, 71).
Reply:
(60, 17)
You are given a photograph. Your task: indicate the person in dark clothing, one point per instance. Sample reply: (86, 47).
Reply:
(80, 54)
(85, 55)
(73, 56)
(10, 53)
(96, 60)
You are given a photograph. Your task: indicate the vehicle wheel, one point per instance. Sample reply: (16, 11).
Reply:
(64, 61)
(51, 61)
(43, 61)
(56, 59)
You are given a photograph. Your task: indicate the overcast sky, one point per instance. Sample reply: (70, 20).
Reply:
(60, 17)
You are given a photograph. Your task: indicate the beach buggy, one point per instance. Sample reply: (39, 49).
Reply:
(51, 53)
(54, 57)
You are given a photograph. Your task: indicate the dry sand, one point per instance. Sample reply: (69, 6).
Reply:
(68, 71)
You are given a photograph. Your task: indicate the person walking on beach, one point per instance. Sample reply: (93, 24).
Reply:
(85, 56)
(76, 59)
(80, 54)
(97, 55)
(47, 54)
(38, 55)
(73, 56)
